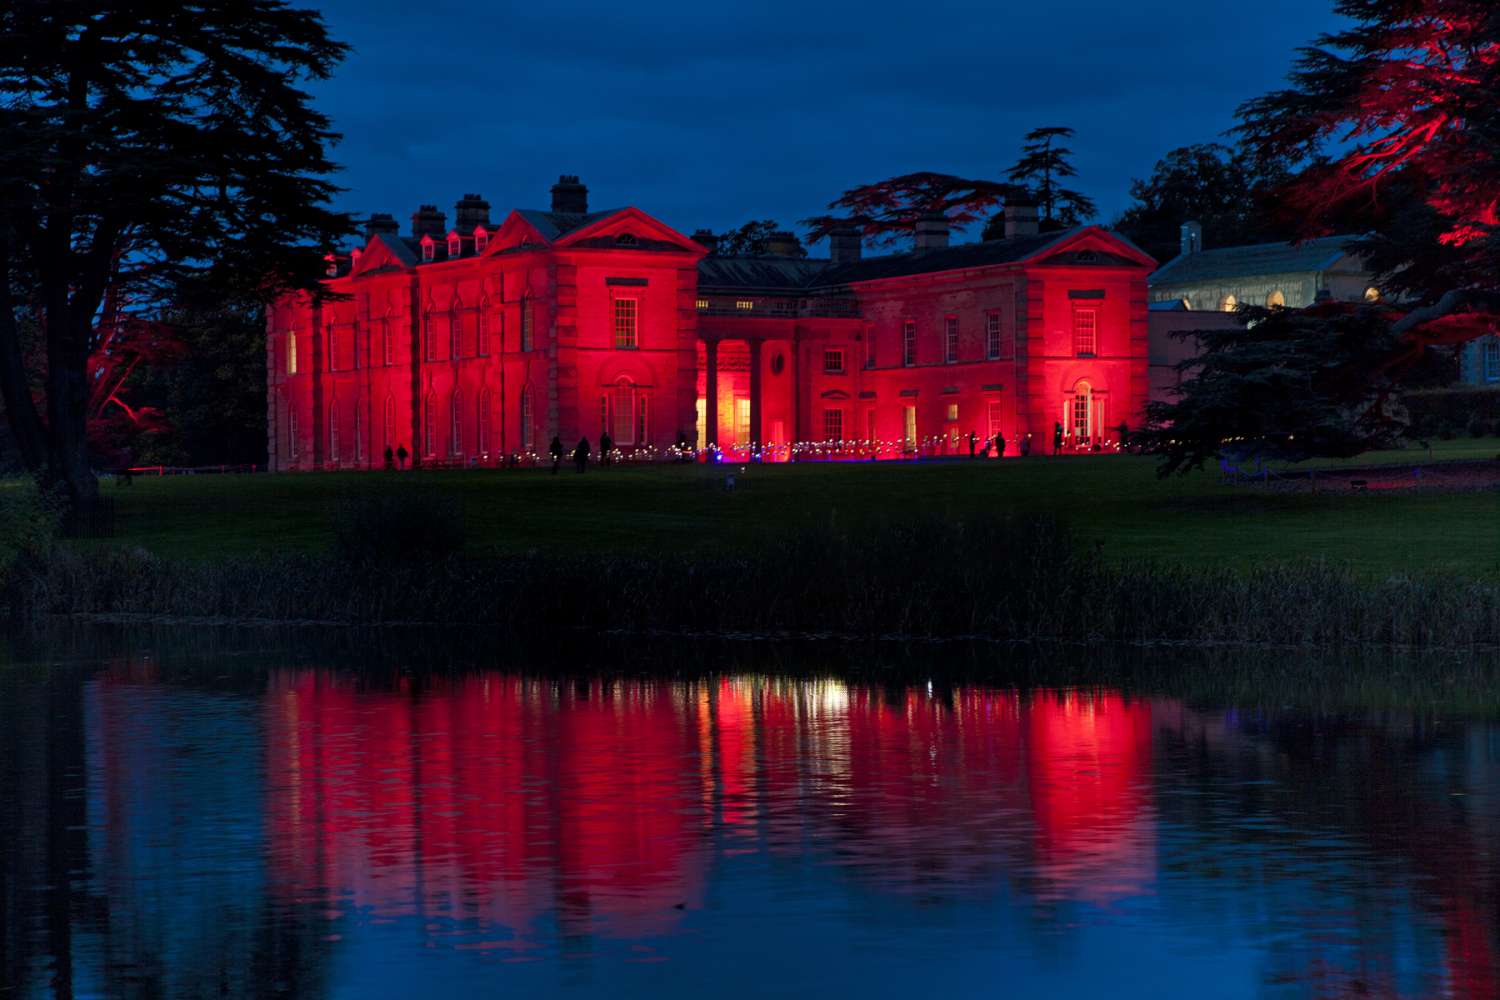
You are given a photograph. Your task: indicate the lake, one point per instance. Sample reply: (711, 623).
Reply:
(240, 817)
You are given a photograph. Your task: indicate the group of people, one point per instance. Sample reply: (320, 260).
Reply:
(981, 447)
(582, 452)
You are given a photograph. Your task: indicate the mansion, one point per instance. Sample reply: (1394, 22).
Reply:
(477, 343)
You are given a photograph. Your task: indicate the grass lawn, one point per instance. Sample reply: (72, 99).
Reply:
(1115, 501)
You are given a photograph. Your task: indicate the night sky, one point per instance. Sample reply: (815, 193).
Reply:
(709, 113)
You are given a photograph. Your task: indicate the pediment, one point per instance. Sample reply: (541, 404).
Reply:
(380, 254)
(1093, 246)
(514, 232)
(627, 229)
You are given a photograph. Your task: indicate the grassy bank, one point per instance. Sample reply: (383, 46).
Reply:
(1115, 507)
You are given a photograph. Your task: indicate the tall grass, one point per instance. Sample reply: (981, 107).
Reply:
(1000, 577)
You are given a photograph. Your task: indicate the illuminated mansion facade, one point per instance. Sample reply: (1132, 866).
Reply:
(478, 343)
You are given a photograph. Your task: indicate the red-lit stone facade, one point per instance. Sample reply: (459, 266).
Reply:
(477, 344)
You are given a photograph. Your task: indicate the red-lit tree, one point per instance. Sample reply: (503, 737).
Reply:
(1394, 124)
(888, 211)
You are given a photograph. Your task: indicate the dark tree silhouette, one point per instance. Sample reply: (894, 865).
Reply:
(888, 211)
(1044, 164)
(751, 239)
(1227, 190)
(148, 147)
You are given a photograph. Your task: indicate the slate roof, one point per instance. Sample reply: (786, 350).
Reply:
(771, 274)
(1251, 261)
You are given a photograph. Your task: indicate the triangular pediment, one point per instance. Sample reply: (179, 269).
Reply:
(383, 253)
(629, 228)
(514, 232)
(1091, 246)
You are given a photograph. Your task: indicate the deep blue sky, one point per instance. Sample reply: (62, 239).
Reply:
(709, 113)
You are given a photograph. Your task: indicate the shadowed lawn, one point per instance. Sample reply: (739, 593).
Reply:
(1116, 502)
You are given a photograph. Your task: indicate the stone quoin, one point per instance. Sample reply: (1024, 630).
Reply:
(479, 342)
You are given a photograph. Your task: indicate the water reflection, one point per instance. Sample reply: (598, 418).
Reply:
(323, 834)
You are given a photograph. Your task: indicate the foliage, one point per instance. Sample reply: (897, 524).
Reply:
(400, 527)
(751, 239)
(148, 147)
(1228, 191)
(30, 518)
(1044, 164)
(888, 211)
(1287, 385)
(1434, 412)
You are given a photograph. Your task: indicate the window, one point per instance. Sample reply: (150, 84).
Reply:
(291, 433)
(482, 331)
(869, 348)
(627, 240)
(429, 351)
(1228, 304)
(387, 354)
(359, 436)
(291, 353)
(456, 423)
(994, 412)
(952, 412)
(388, 423)
(745, 305)
(909, 343)
(429, 249)
(1489, 357)
(702, 304)
(993, 344)
(429, 425)
(455, 332)
(482, 421)
(833, 361)
(526, 323)
(909, 428)
(626, 316)
(742, 421)
(1083, 412)
(833, 425)
(528, 437)
(455, 245)
(1276, 300)
(950, 339)
(481, 239)
(333, 432)
(1085, 332)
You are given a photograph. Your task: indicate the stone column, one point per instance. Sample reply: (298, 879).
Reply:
(755, 389)
(711, 393)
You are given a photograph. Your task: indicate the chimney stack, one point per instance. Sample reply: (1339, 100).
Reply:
(1192, 238)
(470, 212)
(381, 222)
(570, 197)
(845, 245)
(1020, 218)
(782, 244)
(932, 231)
(428, 221)
(706, 239)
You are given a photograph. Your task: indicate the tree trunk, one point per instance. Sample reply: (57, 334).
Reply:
(67, 401)
(15, 388)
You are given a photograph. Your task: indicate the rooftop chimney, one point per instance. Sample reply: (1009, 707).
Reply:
(1020, 218)
(569, 196)
(782, 244)
(845, 245)
(471, 211)
(428, 221)
(1192, 238)
(932, 231)
(706, 238)
(381, 222)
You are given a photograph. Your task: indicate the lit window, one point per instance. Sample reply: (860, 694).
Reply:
(455, 245)
(952, 411)
(1490, 359)
(994, 413)
(950, 339)
(1372, 294)
(1083, 407)
(429, 249)
(909, 428)
(481, 240)
(909, 343)
(1228, 304)
(833, 425)
(291, 353)
(992, 340)
(624, 412)
(626, 332)
(702, 304)
(833, 361)
(1276, 300)
(745, 305)
(526, 324)
(1085, 332)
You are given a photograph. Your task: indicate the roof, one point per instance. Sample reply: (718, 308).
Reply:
(1251, 261)
(788, 274)
(553, 225)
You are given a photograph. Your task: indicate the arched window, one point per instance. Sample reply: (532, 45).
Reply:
(482, 329)
(528, 438)
(526, 323)
(429, 249)
(429, 424)
(1081, 413)
(1229, 304)
(482, 419)
(387, 354)
(333, 432)
(481, 239)
(624, 413)
(429, 348)
(455, 245)
(291, 352)
(626, 240)
(388, 423)
(359, 436)
(455, 328)
(456, 423)
(1276, 300)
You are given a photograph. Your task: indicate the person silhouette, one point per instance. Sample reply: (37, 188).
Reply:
(581, 455)
(555, 449)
